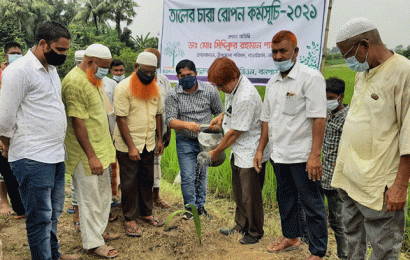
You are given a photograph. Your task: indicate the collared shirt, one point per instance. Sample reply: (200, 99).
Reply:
(196, 107)
(31, 111)
(245, 105)
(333, 132)
(85, 101)
(109, 86)
(376, 132)
(289, 107)
(165, 87)
(140, 115)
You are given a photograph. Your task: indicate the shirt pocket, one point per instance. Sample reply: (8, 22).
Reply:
(293, 105)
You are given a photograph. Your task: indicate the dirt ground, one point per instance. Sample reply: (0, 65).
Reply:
(179, 243)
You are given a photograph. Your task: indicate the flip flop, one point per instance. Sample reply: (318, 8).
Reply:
(153, 221)
(285, 249)
(71, 210)
(103, 252)
(161, 204)
(133, 231)
(112, 218)
(110, 236)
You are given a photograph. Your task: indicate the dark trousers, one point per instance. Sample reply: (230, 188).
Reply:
(292, 180)
(137, 179)
(247, 187)
(12, 186)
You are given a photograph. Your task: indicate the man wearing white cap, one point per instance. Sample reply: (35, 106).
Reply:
(373, 165)
(89, 147)
(138, 106)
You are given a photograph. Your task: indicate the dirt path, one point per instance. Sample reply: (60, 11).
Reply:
(179, 243)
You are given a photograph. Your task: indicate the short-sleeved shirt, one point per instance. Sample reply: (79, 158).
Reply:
(376, 132)
(85, 101)
(109, 86)
(242, 111)
(197, 107)
(165, 87)
(330, 145)
(140, 115)
(291, 103)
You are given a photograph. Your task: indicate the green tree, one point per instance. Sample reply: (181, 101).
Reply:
(122, 11)
(97, 11)
(24, 15)
(64, 10)
(142, 42)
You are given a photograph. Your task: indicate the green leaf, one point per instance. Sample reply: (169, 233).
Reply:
(197, 221)
(172, 215)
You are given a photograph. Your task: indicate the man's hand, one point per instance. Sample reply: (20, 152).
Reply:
(216, 123)
(159, 148)
(134, 154)
(193, 127)
(167, 138)
(95, 165)
(214, 155)
(314, 168)
(395, 198)
(257, 161)
(4, 151)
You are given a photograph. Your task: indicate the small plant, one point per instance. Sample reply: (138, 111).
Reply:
(197, 220)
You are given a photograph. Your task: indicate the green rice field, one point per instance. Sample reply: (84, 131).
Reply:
(219, 178)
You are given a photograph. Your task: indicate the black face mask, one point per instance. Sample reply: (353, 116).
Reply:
(53, 58)
(145, 79)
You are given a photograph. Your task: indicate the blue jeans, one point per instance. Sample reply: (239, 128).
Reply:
(194, 179)
(41, 187)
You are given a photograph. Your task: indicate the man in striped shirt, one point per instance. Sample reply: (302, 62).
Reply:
(187, 106)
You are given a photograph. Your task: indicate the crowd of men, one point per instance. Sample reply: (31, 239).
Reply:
(89, 126)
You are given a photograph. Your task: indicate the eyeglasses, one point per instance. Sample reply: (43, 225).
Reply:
(148, 73)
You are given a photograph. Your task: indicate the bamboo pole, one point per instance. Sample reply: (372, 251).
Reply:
(322, 65)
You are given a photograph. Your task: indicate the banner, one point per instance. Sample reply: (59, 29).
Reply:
(202, 31)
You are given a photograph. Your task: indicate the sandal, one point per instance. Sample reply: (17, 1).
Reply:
(112, 218)
(103, 252)
(134, 231)
(161, 204)
(153, 221)
(77, 226)
(110, 236)
(71, 210)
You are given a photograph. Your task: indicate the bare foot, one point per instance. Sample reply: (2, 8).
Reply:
(286, 244)
(6, 210)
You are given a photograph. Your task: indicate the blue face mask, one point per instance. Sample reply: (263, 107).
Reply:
(286, 65)
(101, 73)
(355, 65)
(13, 57)
(118, 78)
(188, 82)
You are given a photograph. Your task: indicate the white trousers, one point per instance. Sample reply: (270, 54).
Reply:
(94, 202)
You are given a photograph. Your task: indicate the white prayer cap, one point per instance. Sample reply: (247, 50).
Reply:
(147, 58)
(79, 55)
(353, 28)
(98, 51)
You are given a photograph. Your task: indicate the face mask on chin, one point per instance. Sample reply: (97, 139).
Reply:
(53, 58)
(118, 78)
(286, 65)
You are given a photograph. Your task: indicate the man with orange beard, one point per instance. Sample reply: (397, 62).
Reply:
(138, 106)
(89, 147)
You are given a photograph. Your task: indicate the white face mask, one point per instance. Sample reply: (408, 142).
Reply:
(355, 65)
(286, 65)
(101, 73)
(118, 78)
(332, 104)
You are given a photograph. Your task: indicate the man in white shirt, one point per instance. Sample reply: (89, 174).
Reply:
(242, 128)
(294, 119)
(32, 128)
(372, 167)
(164, 87)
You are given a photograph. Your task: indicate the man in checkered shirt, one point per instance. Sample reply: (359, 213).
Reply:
(335, 89)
